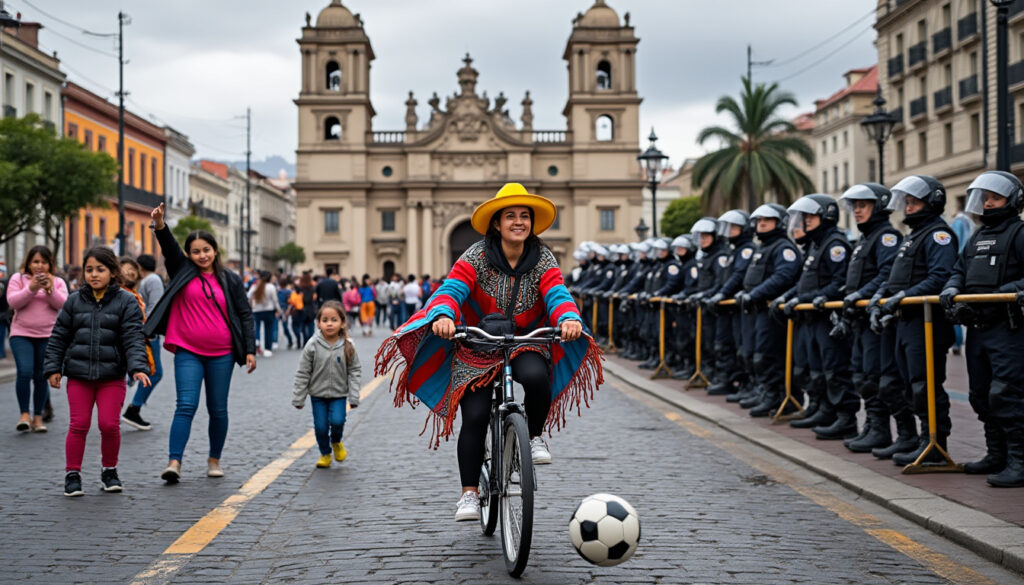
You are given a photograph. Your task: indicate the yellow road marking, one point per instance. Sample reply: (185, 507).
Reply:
(935, 562)
(202, 533)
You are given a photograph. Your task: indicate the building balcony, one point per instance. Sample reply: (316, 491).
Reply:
(214, 216)
(387, 137)
(942, 41)
(917, 54)
(549, 136)
(1015, 73)
(919, 107)
(967, 27)
(895, 66)
(897, 114)
(141, 197)
(969, 87)
(943, 98)
(1017, 153)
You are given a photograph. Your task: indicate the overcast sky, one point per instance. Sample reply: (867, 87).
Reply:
(195, 65)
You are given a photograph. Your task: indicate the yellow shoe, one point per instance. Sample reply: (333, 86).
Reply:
(339, 451)
(323, 461)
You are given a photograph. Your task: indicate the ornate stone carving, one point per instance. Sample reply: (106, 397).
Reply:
(492, 163)
(468, 127)
(527, 116)
(410, 114)
(445, 211)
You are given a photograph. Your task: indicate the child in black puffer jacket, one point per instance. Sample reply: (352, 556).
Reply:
(97, 340)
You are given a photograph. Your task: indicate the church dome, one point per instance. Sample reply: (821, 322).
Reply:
(600, 15)
(335, 16)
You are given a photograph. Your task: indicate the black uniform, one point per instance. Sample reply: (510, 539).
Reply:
(733, 367)
(993, 262)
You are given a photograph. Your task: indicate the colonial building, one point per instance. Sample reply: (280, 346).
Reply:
(32, 81)
(274, 223)
(937, 60)
(400, 200)
(93, 120)
(208, 189)
(177, 160)
(844, 156)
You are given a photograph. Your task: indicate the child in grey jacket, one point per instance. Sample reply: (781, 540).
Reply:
(330, 373)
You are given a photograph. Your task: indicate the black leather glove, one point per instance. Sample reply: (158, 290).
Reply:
(875, 319)
(819, 302)
(840, 327)
(711, 303)
(850, 300)
(962, 313)
(946, 297)
(679, 297)
(790, 307)
(743, 300)
(694, 299)
(892, 304)
(775, 306)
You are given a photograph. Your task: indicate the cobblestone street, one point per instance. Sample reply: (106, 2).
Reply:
(713, 508)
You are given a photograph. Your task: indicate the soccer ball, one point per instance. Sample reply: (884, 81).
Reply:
(605, 530)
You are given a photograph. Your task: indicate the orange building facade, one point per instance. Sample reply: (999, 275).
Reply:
(92, 120)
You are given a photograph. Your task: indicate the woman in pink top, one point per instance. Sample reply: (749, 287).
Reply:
(208, 324)
(36, 296)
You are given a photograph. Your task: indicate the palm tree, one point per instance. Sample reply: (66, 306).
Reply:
(757, 154)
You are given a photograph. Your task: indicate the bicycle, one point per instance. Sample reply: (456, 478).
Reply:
(507, 481)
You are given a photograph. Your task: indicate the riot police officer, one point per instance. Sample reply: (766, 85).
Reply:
(630, 312)
(712, 264)
(734, 225)
(684, 325)
(822, 280)
(993, 262)
(773, 269)
(656, 279)
(923, 264)
(870, 262)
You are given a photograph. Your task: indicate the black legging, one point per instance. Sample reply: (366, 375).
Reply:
(529, 369)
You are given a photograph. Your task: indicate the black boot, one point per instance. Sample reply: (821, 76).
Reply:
(754, 399)
(906, 437)
(863, 433)
(822, 417)
(720, 389)
(994, 460)
(844, 426)
(1013, 474)
(809, 410)
(933, 457)
(878, 436)
(653, 359)
(769, 402)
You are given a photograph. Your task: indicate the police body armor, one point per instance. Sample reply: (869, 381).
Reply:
(656, 276)
(863, 266)
(706, 277)
(812, 278)
(990, 262)
(736, 253)
(910, 266)
(762, 264)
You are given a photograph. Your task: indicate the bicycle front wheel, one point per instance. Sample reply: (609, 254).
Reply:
(488, 488)
(516, 498)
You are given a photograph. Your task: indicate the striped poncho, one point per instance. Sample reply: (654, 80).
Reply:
(437, 372)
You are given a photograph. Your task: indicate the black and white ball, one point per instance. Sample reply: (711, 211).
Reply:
(605, 530)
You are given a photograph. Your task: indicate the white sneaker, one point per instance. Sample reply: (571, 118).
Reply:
(539, 451)
(267, 353)
(468, 508)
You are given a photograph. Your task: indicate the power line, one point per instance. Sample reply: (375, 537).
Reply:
(827, 55)
(66, 23)
(83, 45)
(785, 62)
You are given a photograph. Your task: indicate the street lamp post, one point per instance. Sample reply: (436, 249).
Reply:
(1004, 131)
(641, 230)
(878, 127)
(653, 160)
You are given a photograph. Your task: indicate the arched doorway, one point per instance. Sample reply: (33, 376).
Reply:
(461, 238)
(389, 270)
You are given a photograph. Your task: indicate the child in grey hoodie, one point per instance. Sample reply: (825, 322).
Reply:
(330, 373)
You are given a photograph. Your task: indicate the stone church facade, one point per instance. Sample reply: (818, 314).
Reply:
(378, 202)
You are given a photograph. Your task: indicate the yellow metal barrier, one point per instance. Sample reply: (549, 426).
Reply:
(611, 324)
(662, 370)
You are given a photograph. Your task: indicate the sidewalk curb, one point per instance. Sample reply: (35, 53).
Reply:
(994, 539)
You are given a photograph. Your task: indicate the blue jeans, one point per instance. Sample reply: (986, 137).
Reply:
(28, 359)
(265, 318)
(328, 412)
(3, 338)
(142, 392)
(395, 315)
(190, 370)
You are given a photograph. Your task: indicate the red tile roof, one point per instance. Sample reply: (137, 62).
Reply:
(804, 122)
(216, 168)
(867, 84)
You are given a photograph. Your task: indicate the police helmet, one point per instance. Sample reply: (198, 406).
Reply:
(824, 206)
(771, 210)
(731, 218)
(640, 247)
(601, 250)
(684, 241)
(923, 187)
(875, 192)
(659, 244)
(579, 255)
(998, 182)
(622, 249)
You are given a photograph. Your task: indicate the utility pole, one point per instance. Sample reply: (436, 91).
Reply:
(248, 198)
(121, 17)
(752, 198)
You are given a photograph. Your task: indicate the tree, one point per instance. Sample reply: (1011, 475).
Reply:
(45, 179)
(189, 224)
(756, 156)
(680, 215)
(291, 253)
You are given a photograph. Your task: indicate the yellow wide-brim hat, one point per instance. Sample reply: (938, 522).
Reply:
(515, 195)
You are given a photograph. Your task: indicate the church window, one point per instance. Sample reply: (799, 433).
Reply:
(332, 128)
(603, 131)
(604, 75)
(607, 220)
(333, 76)
(387, 171)
(553, 170)
(331, 221)
(387, 220)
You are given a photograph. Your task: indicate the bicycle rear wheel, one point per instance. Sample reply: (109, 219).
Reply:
(516, 498)
(488, 491)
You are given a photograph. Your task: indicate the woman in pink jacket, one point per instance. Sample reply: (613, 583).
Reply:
(36, 296)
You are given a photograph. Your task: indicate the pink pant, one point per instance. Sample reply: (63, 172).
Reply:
(108, 396)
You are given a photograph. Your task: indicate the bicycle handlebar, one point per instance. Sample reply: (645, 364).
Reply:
(465, 331)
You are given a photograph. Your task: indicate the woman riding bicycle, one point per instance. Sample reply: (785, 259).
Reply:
(509, 272)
